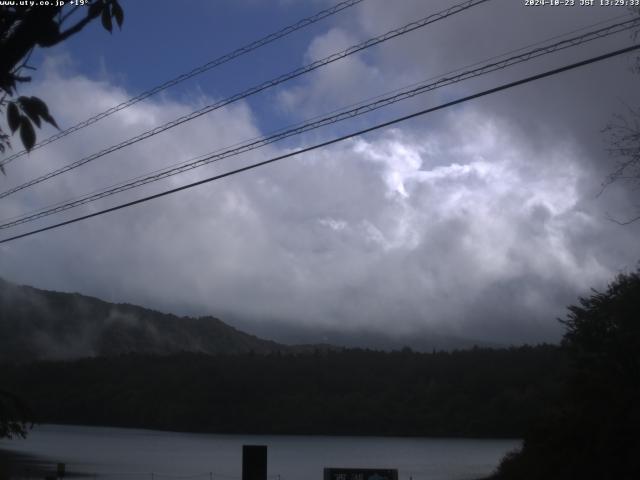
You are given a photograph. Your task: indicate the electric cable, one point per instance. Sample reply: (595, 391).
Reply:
(272, 37)
(253, 90)
(331, 142)
(312, 125)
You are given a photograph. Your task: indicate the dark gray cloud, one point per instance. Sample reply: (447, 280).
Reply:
(480, 222)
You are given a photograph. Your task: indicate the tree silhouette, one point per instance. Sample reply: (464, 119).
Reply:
(595, 431)
(14, 416)
(23, 28)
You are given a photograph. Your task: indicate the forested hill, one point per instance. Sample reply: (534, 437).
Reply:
(154, 370)
(39, 324)
(477, 392)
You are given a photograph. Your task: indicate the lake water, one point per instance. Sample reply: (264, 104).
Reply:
(152, 455)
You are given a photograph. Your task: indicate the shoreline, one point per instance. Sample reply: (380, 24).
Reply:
(20, 465)
(141, 453)
(276, 434)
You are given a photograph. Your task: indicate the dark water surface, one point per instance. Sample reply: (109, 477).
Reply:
(152, 455)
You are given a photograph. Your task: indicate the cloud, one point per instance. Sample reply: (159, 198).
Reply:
(333, 84)
(479, 222)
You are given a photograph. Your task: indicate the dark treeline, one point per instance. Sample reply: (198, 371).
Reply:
(477, 392)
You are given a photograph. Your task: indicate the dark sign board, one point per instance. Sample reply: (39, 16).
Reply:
(254, 462)
(360, 474)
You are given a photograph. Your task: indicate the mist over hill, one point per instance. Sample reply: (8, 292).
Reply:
(38, 324)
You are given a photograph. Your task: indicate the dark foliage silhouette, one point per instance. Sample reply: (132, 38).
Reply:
(23, 28)
(14, 416)
(594, 432)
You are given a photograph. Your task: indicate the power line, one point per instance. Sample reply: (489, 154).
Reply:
(272, 37)
(256, 89)
(335, 140)
(304, 127)
(380, 102)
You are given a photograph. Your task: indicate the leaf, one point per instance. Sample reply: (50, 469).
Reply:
(40, 108)
(13, 117)
(106, 19)
(27, 133)
(37, 104)
(49, 119)
(32, 109)
(118, 13)
(95, 9)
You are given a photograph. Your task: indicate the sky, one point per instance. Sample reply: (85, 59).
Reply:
(483, 221)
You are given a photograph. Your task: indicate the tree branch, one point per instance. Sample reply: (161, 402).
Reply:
(73, 30)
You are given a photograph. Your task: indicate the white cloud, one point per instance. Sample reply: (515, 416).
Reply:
(333, 84)
(477, 221)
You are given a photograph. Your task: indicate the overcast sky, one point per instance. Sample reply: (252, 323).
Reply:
(480, 221)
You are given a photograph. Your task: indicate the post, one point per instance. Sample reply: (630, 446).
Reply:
(254, 462)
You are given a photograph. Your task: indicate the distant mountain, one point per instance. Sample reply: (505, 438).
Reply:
(39, 324)
(367, 338)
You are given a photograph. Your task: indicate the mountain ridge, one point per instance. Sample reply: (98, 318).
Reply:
(38, 324)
